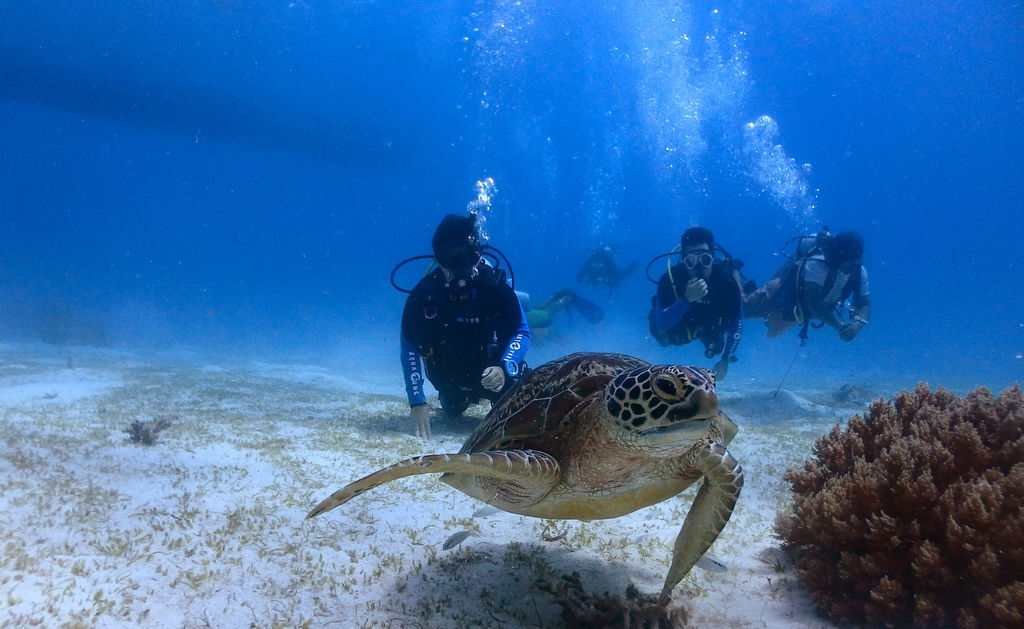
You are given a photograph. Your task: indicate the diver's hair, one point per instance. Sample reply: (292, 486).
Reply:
(696, 236)
(454, 230)
(846, 246)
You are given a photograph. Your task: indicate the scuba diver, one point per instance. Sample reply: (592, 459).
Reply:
(601, 269)
(825, 274)
(463, 321)
(565, 300)
(699, 298)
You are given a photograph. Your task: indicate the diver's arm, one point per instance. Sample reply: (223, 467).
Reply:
(861, 308)
(412, 368)
(861, 299)
(667, 318)
(517, 346)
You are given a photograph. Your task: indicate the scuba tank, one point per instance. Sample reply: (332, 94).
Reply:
(809, 245)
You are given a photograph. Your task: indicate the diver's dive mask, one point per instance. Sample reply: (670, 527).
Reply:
(458, 257)
(459, 260)
(703, 258)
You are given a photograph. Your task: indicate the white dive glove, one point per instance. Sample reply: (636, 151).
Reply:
(493, 379)
(420, 416)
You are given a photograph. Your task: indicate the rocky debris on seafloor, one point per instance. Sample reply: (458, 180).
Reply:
(850, 394)
(637, 611)
(145, 432)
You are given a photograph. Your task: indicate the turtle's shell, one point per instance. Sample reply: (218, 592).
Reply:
(545, 407)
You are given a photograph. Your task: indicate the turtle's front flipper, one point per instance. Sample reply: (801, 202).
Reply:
(499, 464)
(709, 513)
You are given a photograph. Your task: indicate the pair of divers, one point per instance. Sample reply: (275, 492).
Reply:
(705, 295)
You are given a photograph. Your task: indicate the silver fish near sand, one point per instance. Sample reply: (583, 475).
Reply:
(456, 539)
(710, 563)
(486, 512)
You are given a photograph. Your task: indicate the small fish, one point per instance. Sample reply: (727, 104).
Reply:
(711, 563)
(456, 539)
(485, 512)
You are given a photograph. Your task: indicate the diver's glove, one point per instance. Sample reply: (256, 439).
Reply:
(420, 416)
(493, 379)
(696, 289)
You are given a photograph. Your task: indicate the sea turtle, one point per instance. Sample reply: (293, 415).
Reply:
(592, 436)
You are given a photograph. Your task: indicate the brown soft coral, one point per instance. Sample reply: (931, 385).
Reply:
(637, 611)
(913, 515)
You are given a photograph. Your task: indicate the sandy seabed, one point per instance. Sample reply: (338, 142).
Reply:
(206, 527)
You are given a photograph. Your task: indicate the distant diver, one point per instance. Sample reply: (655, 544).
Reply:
(565, 300)
(602, 270)
(825, 274)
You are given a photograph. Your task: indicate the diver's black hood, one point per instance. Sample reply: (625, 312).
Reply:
(456, 242)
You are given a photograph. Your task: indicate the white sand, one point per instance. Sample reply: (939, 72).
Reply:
(206, 527)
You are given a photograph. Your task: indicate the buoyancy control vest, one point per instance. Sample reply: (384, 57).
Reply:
(461, 319)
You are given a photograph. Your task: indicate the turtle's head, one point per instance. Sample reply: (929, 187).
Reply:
(662, 407)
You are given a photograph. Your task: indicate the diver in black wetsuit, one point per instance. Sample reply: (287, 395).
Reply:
(700, 298)
(465, 322)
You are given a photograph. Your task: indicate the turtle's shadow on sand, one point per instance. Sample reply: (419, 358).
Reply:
(497, 585)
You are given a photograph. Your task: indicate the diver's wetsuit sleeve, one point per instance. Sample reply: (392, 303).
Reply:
(669, 311)
(412, 368)
(412, 365)
(518, 345)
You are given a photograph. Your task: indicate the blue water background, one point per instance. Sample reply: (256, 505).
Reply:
(240, 178)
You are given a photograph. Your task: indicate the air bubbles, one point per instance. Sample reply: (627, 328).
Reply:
(481, 205)
(778, 174)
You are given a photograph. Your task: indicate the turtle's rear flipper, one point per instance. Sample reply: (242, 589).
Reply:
(499, 464)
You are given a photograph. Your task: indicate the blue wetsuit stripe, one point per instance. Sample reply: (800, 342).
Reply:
(412, 368)
(732, 340)
(518, 345)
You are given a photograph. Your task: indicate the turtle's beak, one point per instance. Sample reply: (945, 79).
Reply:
(673, 439)
(686, 425)
(703, 406)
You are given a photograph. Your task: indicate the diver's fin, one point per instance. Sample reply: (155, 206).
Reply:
(590, 311)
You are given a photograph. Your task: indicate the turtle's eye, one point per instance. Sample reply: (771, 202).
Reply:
(670, 388)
